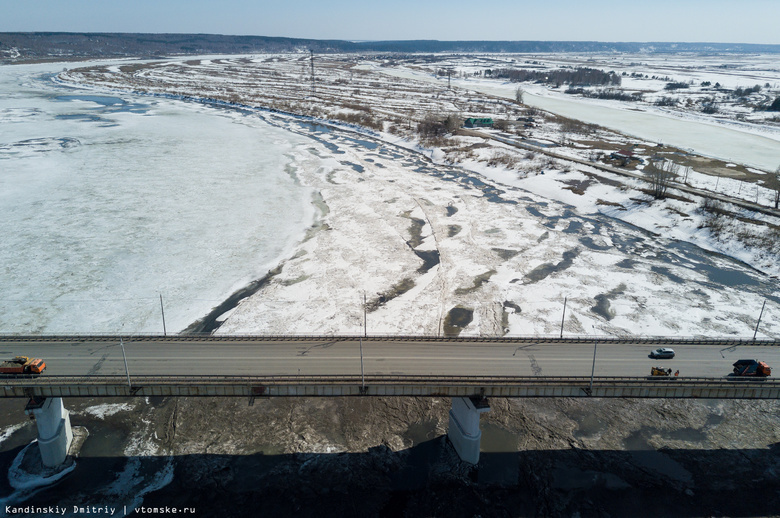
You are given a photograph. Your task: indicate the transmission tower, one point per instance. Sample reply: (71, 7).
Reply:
(312, 70)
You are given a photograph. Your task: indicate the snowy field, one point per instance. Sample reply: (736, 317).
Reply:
(438, 245)
(108, 202)
(507, 254)
(739, 131)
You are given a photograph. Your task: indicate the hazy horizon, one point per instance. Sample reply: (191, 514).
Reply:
(684, 21)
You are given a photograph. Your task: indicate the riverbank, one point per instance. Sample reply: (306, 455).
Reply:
(506, 258)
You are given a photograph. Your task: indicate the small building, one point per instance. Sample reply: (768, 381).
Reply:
(479, 122)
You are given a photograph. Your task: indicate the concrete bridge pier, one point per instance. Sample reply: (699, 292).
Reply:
(464, 432)
(54, 432)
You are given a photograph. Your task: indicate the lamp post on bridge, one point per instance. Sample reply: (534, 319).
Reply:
(759, 320)
(365, 333)
(124, 357)
(563, 316)
(593, 368)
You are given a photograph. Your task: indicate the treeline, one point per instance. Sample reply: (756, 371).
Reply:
(42, 45)
(37, 45)
(744, 92)
(576, 76)
(606, 93)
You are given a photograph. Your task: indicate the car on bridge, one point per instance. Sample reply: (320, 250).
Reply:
(662, 353)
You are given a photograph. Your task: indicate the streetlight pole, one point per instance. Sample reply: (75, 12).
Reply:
(593, 369)
(759, 320)
(127, 371)
(362, 376)
(563, 316)
(162, 310)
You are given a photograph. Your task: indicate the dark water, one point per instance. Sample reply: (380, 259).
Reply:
(106, 104)
(646, 456)
(357, 167)
(547, 269)
(498, 460)
(457, 318)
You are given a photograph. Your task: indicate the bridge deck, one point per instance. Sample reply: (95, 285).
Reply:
(262, 366)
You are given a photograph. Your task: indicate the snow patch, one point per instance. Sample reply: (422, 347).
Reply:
(108, 409)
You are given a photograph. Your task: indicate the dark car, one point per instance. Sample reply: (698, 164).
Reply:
(662, 353)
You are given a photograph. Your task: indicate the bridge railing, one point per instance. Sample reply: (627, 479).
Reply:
(30, 380)
(390, 386)
(649, 340)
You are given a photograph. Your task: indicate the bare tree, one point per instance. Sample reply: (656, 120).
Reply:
(661, 176)
(774, 184)
(569, 127)
(519, 95)
(453, 122)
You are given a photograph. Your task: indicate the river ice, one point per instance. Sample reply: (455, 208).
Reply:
(108, 202)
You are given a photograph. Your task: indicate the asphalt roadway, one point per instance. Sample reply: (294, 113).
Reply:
(203, 356)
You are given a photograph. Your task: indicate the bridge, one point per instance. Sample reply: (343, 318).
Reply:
(469, 369)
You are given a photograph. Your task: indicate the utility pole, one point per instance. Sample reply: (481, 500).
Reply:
(449, 79)
(563, 316)
(312, 70)
(162, 310)
(365, 323)
(759, 320)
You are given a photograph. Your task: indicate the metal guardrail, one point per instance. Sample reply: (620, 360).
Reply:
(382, 378)
(390, 385)
(144, 337)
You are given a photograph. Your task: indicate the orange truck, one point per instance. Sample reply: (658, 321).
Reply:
(22, 365)
(751, 368)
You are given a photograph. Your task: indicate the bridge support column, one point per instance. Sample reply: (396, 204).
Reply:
(54, 431)
(464, 432)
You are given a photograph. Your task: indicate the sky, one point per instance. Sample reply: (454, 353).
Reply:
(728, 21)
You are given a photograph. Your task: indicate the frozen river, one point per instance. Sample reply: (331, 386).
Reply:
(107, 202)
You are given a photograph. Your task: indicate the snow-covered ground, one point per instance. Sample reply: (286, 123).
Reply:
(507, 254)
(758, 146)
